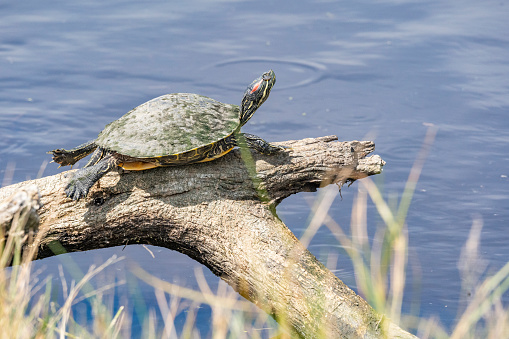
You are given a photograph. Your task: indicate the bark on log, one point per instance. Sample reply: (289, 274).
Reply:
(19, 211)
(212, 213)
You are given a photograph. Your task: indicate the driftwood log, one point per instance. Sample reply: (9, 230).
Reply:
(213, 213)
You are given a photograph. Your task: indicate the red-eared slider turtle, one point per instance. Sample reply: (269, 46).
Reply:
(173, 129)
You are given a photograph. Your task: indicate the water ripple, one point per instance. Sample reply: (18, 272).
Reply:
(316, 70)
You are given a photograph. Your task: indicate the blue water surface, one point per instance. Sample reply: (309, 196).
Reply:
(378, 70)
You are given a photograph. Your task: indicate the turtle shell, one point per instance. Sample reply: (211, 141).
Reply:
(170, 124)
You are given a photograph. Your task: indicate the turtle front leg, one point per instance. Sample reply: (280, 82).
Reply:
(86, 177)
(70, 157)
(260, 145)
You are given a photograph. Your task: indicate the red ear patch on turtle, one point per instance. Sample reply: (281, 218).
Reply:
(256, 86)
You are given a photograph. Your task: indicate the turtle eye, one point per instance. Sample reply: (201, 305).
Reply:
(266, 76)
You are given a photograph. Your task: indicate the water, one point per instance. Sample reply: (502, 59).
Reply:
(377, 70)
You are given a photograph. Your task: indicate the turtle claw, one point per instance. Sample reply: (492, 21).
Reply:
(86, 177)
(70, 157)
(76, 190)
(273, 149)
(63, 157)
(283, 147)
(262, 146)
(75, 194)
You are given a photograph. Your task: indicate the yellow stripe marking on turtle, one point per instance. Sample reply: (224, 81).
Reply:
(216, 156)
(141, 166)
(138, 166)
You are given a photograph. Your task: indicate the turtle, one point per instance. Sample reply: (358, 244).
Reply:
(170, 130)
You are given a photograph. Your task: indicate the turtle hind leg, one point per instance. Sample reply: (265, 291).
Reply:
(70, 157)
(96, 157)
(86, 177)
(260, 145)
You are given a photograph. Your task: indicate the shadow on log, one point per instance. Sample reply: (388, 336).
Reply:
(212, 213)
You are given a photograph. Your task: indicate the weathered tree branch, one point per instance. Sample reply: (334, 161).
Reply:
(213, 213)
(19, 211)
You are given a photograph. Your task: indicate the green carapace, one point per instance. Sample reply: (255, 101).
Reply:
(173, 129)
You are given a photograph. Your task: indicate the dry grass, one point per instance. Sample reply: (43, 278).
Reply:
(26, 312)
(381, 268)
(381, 271)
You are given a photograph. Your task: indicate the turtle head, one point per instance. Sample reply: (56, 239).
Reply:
(256, 94)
